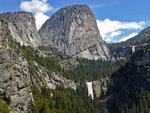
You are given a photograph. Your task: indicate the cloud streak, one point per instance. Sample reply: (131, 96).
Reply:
(112, 28)
(128, 37)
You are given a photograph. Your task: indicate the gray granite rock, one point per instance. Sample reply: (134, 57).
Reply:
(73, 30)
(15, 77)
(13, 74)
(50, 79)
(22, 27)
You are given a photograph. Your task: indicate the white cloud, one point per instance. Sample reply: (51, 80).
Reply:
(116, 33)
(128, 37)
(36, 6)
(40, 19)
(112, 28)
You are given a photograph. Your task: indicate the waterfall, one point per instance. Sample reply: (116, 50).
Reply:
(133, 49)
(90, 89)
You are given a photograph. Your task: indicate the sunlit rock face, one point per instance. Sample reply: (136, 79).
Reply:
(22, 28)
(73, 30)
(14, 76)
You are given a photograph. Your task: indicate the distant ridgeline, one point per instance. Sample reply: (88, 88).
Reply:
(126, 48)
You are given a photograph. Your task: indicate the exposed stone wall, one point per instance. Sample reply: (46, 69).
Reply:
(22, 27)
(73, 30)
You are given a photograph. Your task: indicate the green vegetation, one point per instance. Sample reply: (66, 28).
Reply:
(15, 68)
(58, 55)
(93, 70)
(86, 70)
(7, 99)
(127, 80)
(4, 108)
(44, 48)
(32, 55)
(131, 84)
(142, 104)
(11, 77)
(62, 100)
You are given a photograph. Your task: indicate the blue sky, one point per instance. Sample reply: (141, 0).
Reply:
(118, 20)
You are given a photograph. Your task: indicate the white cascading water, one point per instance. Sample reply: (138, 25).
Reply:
(90, 89)
(133, 49)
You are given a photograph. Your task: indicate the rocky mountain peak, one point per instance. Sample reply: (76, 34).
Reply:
(73, 30)
(22, 27)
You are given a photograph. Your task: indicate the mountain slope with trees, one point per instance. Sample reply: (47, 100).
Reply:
(125, 48)
(132, 84)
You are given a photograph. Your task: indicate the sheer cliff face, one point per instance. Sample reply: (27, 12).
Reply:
(73, 30)
(15, 77)
(22, 27)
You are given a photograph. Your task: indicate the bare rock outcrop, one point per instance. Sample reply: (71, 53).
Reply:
(22, 27)
(43, 77)
(16, 78)
(73, 30)
(100, 87)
